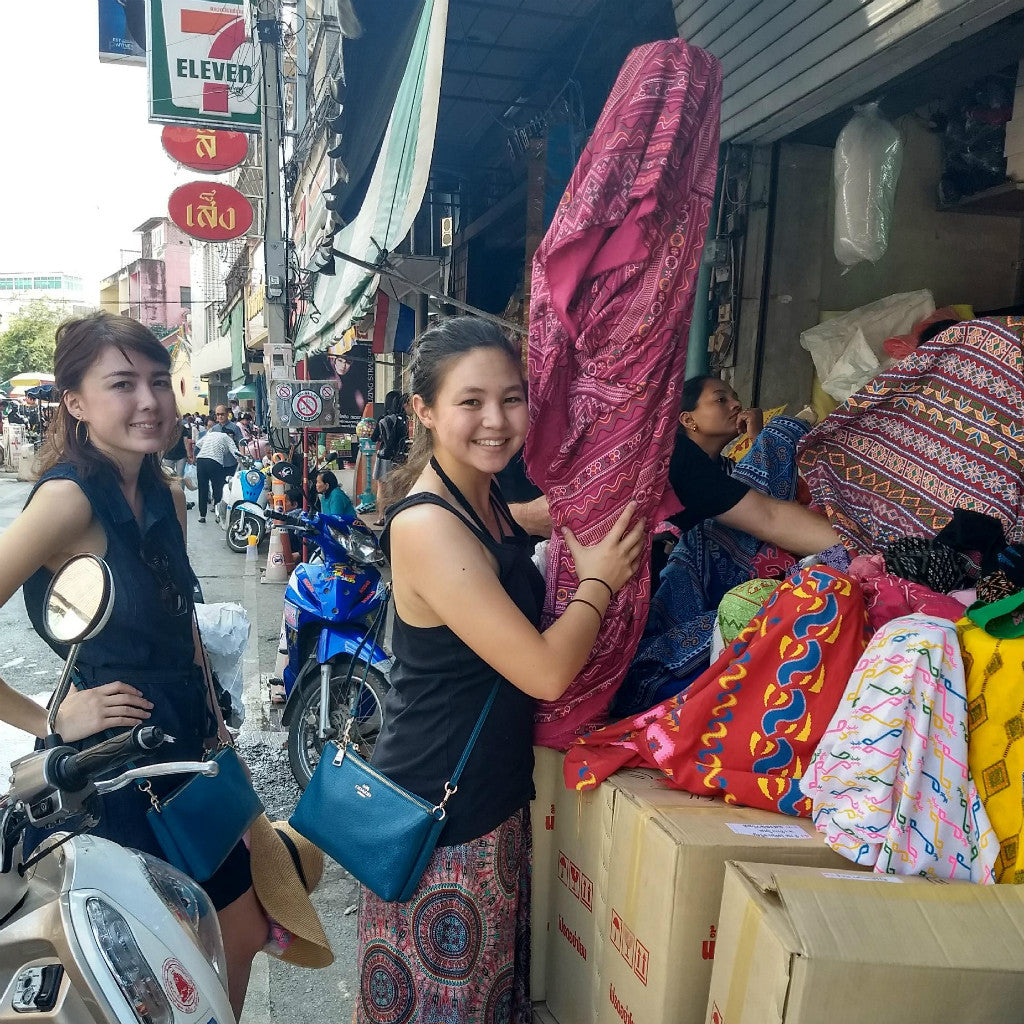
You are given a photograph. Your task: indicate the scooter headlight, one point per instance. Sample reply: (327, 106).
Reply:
(191, 906)
(363, 549)
(127, 963)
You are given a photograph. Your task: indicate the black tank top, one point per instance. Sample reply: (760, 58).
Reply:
(439, 687)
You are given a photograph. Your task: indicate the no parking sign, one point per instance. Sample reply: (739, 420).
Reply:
(305, 403)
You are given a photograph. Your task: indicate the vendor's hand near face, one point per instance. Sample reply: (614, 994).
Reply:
(615, 558)
(750, 422)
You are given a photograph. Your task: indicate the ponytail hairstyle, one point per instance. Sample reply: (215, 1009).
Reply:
(436, 350)
(79, 343)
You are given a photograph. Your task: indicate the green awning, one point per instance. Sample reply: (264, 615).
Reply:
(246, 391)
(394, 194)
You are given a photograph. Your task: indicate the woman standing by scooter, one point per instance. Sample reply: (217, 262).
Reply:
(102, 491)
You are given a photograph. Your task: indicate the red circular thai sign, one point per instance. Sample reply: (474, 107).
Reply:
(205, 149)
(210, 210)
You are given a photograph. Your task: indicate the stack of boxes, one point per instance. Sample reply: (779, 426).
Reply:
(630, 925)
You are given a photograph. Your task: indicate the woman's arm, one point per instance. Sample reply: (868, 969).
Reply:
(54, 526)
(786, 523)
(444, 574)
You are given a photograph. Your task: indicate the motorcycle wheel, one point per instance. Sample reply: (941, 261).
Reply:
(304, 743)
(240, 525)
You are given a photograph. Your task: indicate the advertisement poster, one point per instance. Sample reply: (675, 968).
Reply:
(123, 31)
(352, 374)
(204, 64)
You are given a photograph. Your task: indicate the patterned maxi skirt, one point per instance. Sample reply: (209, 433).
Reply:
(459, 951)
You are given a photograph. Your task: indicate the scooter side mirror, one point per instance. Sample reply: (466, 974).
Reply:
(78, 600)
(285, 472)
(76, 607)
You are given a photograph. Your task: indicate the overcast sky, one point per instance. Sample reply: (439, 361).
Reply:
(81, 165)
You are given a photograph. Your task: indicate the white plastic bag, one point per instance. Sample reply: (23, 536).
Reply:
(848, 352)
(865, 167)
(190, 478)
(224, 629)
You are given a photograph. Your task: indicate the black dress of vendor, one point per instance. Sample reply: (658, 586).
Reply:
(701, 483)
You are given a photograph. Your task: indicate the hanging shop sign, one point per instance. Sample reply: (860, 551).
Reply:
(205, 149)
(210, 210)
(305, 403)
(350, 369)
(122, 25)
(204, 64)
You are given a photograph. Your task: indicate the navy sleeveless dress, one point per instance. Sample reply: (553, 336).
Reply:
(147, 643)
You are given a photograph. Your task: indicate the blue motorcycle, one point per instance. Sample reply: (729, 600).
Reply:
(334, 616)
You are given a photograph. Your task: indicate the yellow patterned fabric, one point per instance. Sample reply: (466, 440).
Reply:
(995, 716)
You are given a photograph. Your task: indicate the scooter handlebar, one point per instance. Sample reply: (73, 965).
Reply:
(72, 772)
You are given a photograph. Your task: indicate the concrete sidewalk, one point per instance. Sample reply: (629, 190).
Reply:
(280, 993)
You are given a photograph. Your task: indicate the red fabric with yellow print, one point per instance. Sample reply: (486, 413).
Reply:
(747, 728)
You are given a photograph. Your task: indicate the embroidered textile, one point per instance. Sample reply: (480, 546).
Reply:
(706, 563)
(943, 428)
(995, 716)
(747, 727)
(611, 300)
(459, 950)
(741, 604)
(890, 782)
(888, 597)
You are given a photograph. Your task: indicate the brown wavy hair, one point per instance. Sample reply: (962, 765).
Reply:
(80, 342)
(436, 349)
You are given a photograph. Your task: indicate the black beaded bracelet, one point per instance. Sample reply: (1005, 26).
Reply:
(589, 604)
(597, 579)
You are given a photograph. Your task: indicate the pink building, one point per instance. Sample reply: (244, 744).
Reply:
(154, 289)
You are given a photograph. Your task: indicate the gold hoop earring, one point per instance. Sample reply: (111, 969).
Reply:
(78, 435)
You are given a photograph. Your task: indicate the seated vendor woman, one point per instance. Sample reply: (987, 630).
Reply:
(712, 416)
(735, 517)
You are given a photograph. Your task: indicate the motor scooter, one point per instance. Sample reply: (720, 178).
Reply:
(91, 931)
(333, 629)
(245, 499)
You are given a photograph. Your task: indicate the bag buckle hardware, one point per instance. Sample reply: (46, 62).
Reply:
(450, 792)
(147, 787)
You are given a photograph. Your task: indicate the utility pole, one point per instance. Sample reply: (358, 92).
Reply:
(278, 355)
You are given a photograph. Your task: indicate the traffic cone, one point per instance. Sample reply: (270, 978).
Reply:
(280, 560)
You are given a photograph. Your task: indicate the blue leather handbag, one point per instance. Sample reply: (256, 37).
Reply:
(379, 832)
(200, 823)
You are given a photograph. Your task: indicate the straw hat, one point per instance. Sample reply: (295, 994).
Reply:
(286, 868)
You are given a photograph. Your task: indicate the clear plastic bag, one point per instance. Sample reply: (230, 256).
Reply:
(866, 168)
(190, 477)
(224, 628)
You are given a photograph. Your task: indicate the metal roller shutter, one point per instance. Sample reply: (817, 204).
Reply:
(787, 63)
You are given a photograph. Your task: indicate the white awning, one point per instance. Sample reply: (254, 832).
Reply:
(395, 193)
(213, 356)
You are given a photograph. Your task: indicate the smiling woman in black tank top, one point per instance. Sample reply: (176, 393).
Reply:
(468, 602)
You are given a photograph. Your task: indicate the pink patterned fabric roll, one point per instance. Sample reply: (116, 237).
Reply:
(612, 296)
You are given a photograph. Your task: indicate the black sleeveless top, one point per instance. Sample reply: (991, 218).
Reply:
(439, 687)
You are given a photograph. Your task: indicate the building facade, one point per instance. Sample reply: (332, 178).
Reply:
(19, 288)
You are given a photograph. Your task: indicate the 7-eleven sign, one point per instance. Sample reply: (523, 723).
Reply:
(203, 64)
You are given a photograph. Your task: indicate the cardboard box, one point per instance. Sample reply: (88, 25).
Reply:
(669, 851)
(547, 780)
(577, 911)
(803, 946)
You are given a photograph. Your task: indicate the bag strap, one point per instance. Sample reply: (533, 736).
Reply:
(453, 782)
(208, 673)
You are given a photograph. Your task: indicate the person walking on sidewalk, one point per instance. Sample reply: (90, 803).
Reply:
(103, 491)
(467, 606)
(216, 459)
